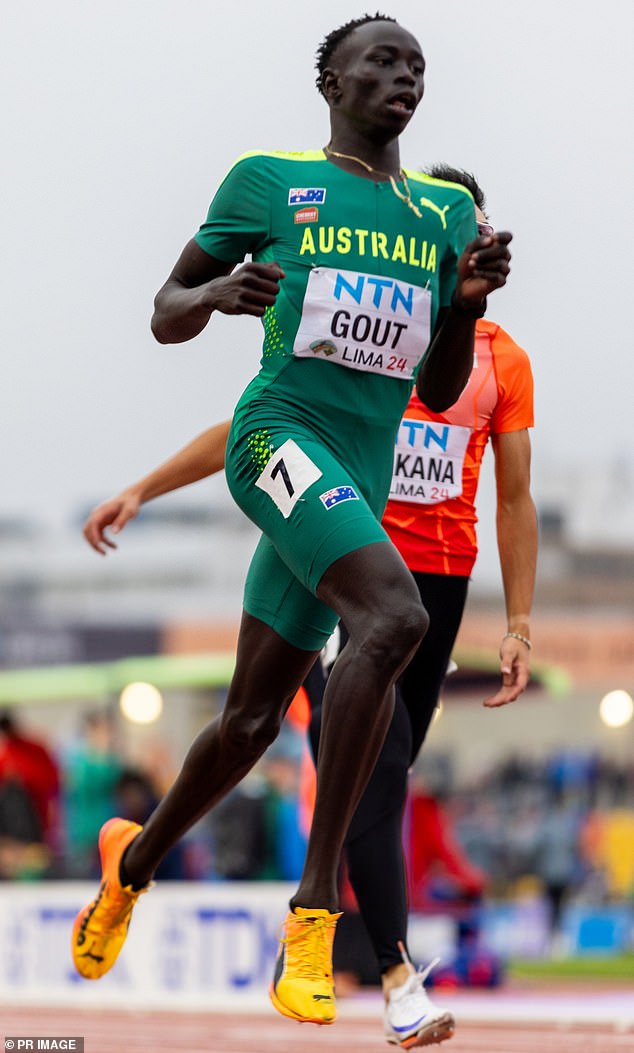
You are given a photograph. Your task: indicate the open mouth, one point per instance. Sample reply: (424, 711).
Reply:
(404, 102)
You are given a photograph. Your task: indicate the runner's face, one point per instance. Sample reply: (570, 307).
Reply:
(380, 70)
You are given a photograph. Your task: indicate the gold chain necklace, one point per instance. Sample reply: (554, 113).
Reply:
(406, 197)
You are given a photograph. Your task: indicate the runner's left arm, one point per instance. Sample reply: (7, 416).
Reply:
(483, 267)
(516, 522)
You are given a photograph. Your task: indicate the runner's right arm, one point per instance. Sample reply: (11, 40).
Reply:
(203, 456)
(200, 284)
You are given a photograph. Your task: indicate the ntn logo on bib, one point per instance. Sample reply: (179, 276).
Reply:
(428, 461)
(364, 321)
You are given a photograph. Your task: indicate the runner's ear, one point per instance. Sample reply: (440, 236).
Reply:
(330, 86)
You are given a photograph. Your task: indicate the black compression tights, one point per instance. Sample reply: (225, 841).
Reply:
(373, 845)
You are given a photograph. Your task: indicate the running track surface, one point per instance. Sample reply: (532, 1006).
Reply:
(120, 1031)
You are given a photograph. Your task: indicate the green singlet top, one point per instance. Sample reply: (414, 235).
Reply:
(364, 280)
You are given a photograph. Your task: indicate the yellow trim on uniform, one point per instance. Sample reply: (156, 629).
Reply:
(422, 177)
(294, 155)
(319, 155)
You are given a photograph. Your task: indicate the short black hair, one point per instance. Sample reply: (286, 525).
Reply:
(458, 175)
(330, 43)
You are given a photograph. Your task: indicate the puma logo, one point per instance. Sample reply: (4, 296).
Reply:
(322, 998)
(424, 202)
(95, 957)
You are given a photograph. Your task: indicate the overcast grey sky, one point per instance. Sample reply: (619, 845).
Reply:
(120, 119)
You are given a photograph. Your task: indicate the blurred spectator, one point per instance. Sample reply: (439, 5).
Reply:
(478, 829)
(258, 831)
(608, 840)
(558, 861)
(238, 832)
(29, 797)
(570, 770)
(136, 799)
(91, 771)
(438, 867)
(285, 840)
(522, 838)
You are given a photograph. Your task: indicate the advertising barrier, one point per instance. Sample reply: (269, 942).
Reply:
(196, 945)
(213, 945)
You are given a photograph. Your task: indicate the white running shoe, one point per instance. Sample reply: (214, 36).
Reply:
(411, 1018)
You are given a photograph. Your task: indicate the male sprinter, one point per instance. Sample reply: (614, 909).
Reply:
(365, 276)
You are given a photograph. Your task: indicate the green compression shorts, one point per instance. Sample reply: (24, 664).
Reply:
(311, 512)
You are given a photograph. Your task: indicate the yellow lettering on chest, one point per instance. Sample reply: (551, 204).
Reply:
(361, 236)
(308, 242)
(326, 239)
(344, 235)
(379, 244)
(398, 252)
(340, 241)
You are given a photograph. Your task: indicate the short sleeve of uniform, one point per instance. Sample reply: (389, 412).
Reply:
(514, 408)
(238, 219)
(461, 229)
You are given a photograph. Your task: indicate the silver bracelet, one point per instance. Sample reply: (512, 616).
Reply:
(518, 636)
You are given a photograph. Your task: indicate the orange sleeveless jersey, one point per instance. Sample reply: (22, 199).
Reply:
(431, 516)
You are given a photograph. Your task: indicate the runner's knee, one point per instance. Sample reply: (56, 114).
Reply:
(394, 634)
(249, 734)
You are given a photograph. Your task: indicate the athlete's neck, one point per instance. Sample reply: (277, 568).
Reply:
(383, 157)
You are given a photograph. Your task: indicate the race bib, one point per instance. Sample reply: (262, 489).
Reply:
(362, 321)
(287, 476)
(428, 461)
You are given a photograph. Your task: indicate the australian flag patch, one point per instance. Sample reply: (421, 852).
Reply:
(340, 493)
(311, 195)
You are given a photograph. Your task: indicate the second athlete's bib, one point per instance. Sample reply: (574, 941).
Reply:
(428, 461)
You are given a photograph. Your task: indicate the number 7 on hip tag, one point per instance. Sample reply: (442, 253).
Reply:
(287, 476)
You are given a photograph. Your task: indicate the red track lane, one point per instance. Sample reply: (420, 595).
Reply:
(124, 1031)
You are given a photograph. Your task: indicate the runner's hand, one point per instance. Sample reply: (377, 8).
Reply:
(249, 289)
(483, 267)
(114, 513)
(515, 670)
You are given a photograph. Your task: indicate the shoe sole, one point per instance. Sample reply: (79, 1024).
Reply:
(285, 1011)
(438, 1031)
